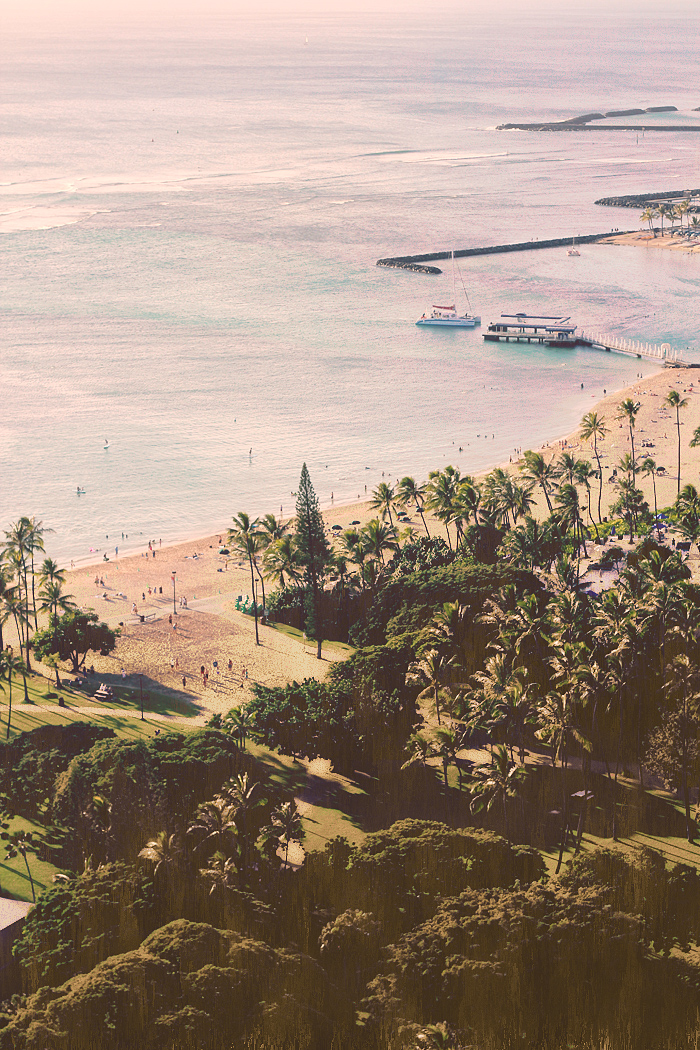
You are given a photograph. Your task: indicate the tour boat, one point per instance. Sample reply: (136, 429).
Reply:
(447, 316)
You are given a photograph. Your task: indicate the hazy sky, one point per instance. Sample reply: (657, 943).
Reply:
(92, 11)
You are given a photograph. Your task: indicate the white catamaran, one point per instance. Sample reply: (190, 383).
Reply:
(447, 316)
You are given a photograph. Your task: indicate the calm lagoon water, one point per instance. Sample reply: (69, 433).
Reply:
(190, 218)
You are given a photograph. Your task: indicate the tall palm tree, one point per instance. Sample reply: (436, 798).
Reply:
(419, 749)
(36, 530)
(238, 722)
(683, 685)
(440, 495)
(593, 428)
(569, 516)
(649, 468)
(662, 212)
(5, 590)
(380, 539)
(288, 826)
(383, 499)
(495, 783)
(537, 470)
(628, 410)
(687, 507)
(583, 476)
(560, 726)
(213, 826)
(12, 665)
(163, 852)
(674, 399)
(244, 795)
(221, 873)
(243, 538)
(435, 670)
(408, 491)
(648, 216)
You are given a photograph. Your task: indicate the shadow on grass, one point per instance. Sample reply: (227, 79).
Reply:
(157, 698)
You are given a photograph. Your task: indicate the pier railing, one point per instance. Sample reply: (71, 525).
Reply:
(633, 347)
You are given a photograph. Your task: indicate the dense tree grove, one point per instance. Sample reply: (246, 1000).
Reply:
(496, 710)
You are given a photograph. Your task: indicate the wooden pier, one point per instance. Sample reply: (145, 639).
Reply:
(633, 347)
(558, 332)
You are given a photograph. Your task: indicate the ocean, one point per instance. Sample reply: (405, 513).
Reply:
(190, 217)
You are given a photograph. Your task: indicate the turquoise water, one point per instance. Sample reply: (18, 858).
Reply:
(189, 222)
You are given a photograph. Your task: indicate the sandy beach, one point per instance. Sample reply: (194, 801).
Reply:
(174, 642)
(645, 239)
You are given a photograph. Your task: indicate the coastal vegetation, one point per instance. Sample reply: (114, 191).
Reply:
(514, 736)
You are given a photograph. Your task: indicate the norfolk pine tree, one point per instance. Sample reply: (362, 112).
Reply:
(313, 554)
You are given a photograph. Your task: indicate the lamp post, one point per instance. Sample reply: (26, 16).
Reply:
(141, 691)
(172, 577)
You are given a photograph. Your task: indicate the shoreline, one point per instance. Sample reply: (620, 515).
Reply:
(175, 642)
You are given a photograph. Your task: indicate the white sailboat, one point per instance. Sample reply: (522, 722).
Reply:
(447, 316)
(573, 250)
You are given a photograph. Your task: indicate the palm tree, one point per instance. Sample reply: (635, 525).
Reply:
(537, 470)
(592, 428)
(243, 795)
(683, 686)
(440, 495)
(628, 410)
(238, 722)
(163, 852)
(407, 491)
(661, 211)
(449, 742)
(649, 468)
(5, 591)
(383, 499)
(648, 216)
(213, 825)
(495, 783)
(20, 843)
(221, 872)
(559, 722)
(243, 537)
(566, 467)
(584, 474)
(674, 399)
(687, 508)
(36, 530)
(419, 749)
(569, 516)
(288, 825)
(434, 669)
(281, 559)
(380, 539)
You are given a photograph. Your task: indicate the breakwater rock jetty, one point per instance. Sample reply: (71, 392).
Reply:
(417, 262)
(644, 200)
(591, 122)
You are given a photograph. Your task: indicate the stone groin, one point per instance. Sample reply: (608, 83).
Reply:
(643, 200)
(415, 262)
(585, 122)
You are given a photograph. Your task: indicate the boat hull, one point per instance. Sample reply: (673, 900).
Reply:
(447, 322)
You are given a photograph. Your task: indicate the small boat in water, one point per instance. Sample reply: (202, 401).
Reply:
(573, 249)
(447, 316)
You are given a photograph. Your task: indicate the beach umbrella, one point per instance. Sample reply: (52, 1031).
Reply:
(354, 522)
(336, 527)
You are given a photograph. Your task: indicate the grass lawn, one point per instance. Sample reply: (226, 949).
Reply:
(337, 649)
(14, 881)
(336, 808)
